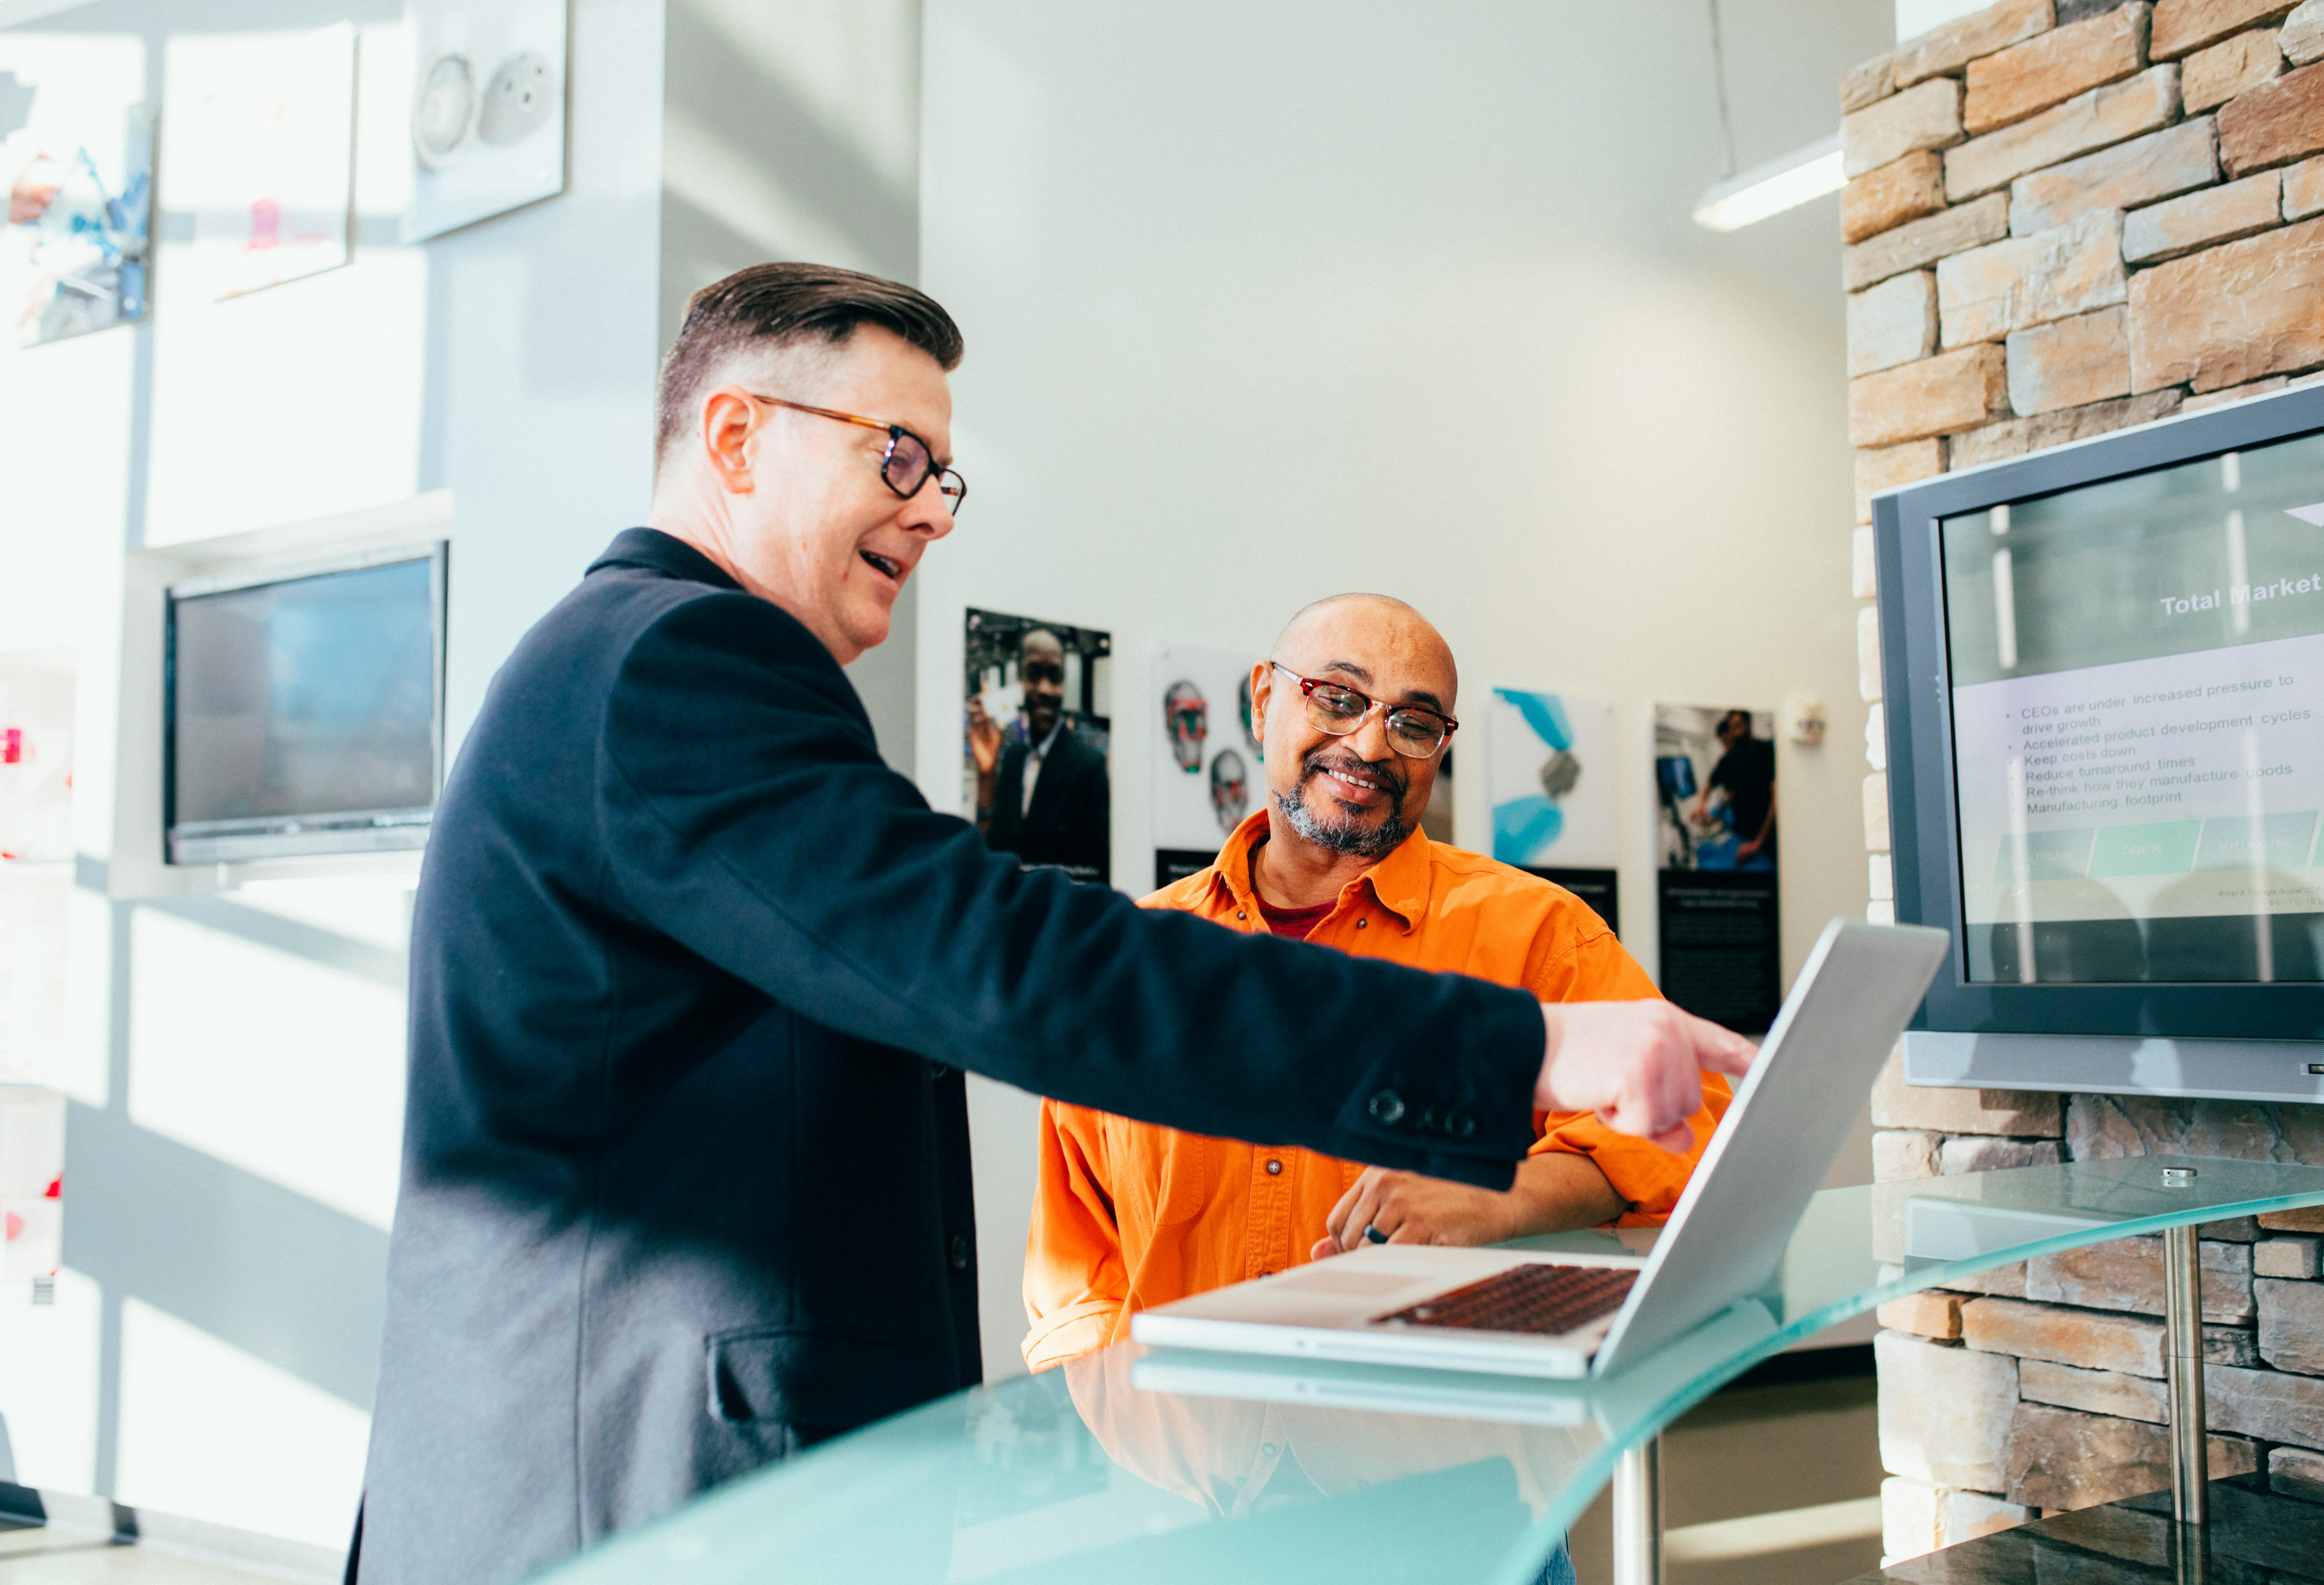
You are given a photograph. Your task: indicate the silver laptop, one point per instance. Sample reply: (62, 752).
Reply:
(1522, 1312)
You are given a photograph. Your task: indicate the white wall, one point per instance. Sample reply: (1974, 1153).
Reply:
(237, 1063)
(1264, 303)
(793, 131)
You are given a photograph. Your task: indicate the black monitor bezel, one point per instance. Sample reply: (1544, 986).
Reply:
(1922, 807)
(437, 553)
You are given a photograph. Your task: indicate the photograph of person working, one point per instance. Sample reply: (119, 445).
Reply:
(1355, 709)
(1746, 774)
(684, 1182)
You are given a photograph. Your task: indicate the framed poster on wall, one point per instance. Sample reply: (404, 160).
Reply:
(1715, 862)
(1036, 735)
(1550, 778)
(1205, 751)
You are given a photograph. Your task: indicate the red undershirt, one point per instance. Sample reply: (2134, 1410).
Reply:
(1295, 923)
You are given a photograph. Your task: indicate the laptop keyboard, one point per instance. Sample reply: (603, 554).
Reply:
(1546, 1301)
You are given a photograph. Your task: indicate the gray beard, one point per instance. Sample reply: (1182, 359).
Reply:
(1343, 835)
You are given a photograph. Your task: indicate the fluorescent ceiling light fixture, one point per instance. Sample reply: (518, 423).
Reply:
(1780, 184)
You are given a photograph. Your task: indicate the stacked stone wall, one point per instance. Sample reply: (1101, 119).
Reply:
(2063, 217)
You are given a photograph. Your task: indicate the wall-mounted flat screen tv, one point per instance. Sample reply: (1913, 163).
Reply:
(303, 710)
(2104, 671)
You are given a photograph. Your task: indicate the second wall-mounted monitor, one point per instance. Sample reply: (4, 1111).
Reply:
(2105, 690)
(303, 708)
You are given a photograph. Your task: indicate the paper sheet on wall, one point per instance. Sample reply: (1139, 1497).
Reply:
(258, 132)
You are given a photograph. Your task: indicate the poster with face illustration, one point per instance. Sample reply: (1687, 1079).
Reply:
(1037, 729)
(1204, 754)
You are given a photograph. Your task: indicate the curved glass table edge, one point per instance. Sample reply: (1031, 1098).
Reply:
(1629, 1406)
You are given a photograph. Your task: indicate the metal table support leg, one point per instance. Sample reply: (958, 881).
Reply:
(1638, 1515)
(2182, 1309)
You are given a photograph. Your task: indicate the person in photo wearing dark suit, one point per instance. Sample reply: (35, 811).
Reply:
(1050, 797)
(695, 975)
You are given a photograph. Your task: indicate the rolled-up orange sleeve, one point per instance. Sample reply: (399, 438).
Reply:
(1076, 1284)
(1599, 969)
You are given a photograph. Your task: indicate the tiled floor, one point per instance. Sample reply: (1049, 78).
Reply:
(53, 1557)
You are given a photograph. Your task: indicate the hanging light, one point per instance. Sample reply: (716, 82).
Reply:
(1780, 184)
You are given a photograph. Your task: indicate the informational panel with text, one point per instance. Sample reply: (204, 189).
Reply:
(2137, 750)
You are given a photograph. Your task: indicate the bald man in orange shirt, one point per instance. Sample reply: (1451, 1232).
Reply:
(1354, 710)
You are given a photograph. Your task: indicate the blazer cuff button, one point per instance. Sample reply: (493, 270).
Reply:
(1388, 1107)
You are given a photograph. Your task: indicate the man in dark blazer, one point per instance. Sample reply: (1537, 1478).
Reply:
(686, 1180)
(1062, 818)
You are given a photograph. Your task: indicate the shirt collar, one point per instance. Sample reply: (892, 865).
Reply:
(1041, 749)
(1399, 882)
(663, 553)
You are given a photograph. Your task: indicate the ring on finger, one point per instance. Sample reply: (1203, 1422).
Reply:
(1374, 1235)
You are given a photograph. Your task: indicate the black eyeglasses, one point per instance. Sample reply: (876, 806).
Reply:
(906, 466)
(1414, 730)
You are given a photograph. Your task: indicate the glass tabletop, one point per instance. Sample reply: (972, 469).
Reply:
(1142, 1464)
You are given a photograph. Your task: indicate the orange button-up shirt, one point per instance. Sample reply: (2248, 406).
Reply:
(1128, 1215)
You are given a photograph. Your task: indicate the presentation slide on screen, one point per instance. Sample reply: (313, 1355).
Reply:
(2171, 786)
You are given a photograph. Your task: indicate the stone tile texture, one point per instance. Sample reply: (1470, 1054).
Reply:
(2025, 1113)
(1918, 243)
(1931, 1312)
(2064, 1459)
(2303, 190)
(1903, 1155)
(1927, 117)
(2291, 1324)
(2016, 436)
(1903, 190)
(1895, 322)
(2050, 68)
(2181, 25)
(2091, 1339)
(2213, 76)
(2308, 1221)
(1944, 1412)
(2296, 1472)
(2099, 1126)
(2176, 160)
(2002, 1282)
(1955, 44)
(2216, 215)
(2069, 363)
(1891, 465)
(2294, 1258)
(2302, 38)
(2273, 124)
(2126, 1274)
(1933, 396)
(2088, 121)
(1867, 81)
(1982, 1153)
(2230, 314)
(1986, 293)
(2096, 1392)
(2274, 1405)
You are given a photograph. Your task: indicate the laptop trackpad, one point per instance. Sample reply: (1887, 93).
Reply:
(1323, 1277)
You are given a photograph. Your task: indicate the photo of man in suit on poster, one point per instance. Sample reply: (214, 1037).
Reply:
(1038, 730)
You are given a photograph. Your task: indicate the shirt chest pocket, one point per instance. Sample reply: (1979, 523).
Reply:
(1161, 1175)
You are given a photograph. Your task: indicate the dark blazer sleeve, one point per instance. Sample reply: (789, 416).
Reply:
(747, 815)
